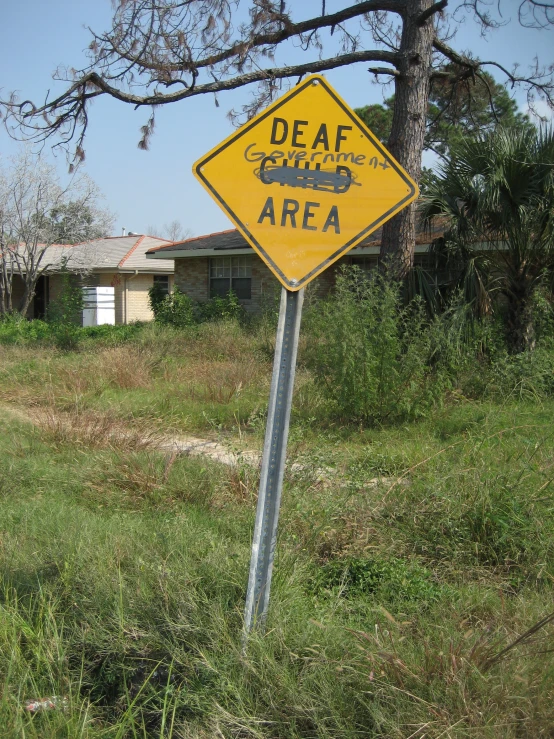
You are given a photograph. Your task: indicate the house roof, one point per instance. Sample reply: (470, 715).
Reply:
(232, 241)
(110, 254)
(219, 241)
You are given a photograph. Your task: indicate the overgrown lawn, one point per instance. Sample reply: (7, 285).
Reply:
(410, 555)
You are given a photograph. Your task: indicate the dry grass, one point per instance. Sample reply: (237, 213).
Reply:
(217, 381)
(239, 487)
(131, 482)
(56, 378)
(221, 340)
(92, 430)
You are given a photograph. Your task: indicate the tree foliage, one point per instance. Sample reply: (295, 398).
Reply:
(469, 108)
(497, 194)
(74, 222)
(159, 52)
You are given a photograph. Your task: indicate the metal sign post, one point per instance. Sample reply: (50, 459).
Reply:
(273, 460)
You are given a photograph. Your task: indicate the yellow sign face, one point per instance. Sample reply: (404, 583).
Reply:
(305, 181)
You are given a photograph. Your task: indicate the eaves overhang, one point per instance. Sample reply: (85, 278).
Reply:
(189, 253)
(182, 253)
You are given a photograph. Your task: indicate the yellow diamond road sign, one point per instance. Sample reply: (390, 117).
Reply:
(305, 181)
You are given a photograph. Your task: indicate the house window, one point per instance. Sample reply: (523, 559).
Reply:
(161, 282)
(365, 263)
(231, 273)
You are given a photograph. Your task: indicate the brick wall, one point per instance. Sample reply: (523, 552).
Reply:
(264, 287)
(192, 278)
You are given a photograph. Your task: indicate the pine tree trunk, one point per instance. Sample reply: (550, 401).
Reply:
(520, 325)
(408, 130)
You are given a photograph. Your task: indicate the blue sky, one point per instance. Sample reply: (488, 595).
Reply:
(157, 186)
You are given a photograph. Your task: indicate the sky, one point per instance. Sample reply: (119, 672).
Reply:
(154, 187)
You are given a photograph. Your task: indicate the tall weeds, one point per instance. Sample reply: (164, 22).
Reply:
(369, 353)
(377, 360)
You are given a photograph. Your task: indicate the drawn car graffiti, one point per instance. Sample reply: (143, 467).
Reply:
(338, 181)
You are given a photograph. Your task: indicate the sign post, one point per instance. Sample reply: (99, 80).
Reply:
(304, 182)
(273, 459)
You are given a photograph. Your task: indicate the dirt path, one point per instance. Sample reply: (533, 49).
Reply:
(190, 445)
(98, 430)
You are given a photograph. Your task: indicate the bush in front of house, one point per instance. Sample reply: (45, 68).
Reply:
(178, 310)
(221, 308)
(173, 309)
(16, 330)
(368, 353)
(64, 313)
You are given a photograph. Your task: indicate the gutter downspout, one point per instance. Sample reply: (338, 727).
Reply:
(127, 279)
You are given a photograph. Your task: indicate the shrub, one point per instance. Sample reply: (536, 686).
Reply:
(67, 308)
(391, 580)
(175, 309)
(156, 296)
(367, 352)
(525, 375)
(65, 313)
(14, 329)
(221, 308)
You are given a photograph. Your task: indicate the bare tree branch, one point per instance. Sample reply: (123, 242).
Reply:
(384, 70)
(290, 30)
(436, 8)
(93, 79)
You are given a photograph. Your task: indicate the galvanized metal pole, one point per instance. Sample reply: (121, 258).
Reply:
(273, 460)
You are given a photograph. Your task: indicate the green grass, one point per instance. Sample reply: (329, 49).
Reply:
(408, 557)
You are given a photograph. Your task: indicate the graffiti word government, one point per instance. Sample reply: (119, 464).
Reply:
(301, 167)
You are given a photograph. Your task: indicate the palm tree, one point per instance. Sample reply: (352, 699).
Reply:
(496, 193)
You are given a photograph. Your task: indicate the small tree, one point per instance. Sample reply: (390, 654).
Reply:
(36, 212)
(172, 231)
(75, 222)
(497, 194)
(67, 308)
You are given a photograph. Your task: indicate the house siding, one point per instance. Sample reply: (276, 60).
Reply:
(136, 298)
(131, 296)
(130, 293)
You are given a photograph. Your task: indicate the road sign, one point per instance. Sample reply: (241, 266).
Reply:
(305, 181)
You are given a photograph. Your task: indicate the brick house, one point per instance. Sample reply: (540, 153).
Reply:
(211, 265)
(117, 261)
